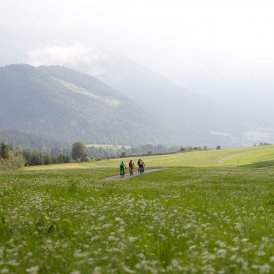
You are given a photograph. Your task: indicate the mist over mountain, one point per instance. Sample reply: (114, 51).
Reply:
(61, 104)
(130, 104)
(210, 77)
(250, 95)
(204, 120)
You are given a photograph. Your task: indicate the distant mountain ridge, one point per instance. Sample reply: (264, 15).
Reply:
(204, 121)
(63, 104)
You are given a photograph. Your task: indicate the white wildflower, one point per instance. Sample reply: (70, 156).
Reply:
(97, 270)
(33, 269)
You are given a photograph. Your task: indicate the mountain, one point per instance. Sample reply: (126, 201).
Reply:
(62, 104)
(203, 120)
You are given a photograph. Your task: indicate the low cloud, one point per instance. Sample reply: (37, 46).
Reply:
(66, 55)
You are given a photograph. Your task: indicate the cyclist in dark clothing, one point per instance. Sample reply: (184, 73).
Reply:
(141, 165)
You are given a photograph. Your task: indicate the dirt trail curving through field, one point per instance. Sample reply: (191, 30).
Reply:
(118, 178)
(231, 156)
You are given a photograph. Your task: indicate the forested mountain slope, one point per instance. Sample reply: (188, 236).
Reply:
(62, 104)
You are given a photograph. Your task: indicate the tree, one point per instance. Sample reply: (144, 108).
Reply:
(4, 151)
(218, 147)
(78, 151)
(123, 154)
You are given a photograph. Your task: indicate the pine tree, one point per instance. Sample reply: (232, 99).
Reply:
(4, 151)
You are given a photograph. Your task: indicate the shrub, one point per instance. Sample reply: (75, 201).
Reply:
(13, 162)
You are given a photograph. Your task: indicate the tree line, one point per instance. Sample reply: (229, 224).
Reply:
(35, 157)
(10, 158)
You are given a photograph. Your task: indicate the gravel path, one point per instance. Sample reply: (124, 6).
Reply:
(118, 178)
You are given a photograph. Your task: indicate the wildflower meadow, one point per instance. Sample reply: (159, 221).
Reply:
(183, 219)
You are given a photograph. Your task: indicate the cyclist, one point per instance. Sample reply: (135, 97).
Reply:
(131, 165)
(122, 169)
(141, 165)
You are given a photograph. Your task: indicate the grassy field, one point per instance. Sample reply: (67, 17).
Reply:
(205, 212)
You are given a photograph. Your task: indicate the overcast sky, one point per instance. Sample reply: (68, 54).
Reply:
(225, 39)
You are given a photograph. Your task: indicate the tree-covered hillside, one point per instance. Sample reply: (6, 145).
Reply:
(62, 104)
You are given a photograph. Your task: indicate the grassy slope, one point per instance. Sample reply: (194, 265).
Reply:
(199, 215)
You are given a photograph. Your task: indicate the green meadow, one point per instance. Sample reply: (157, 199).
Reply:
(204, 212)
